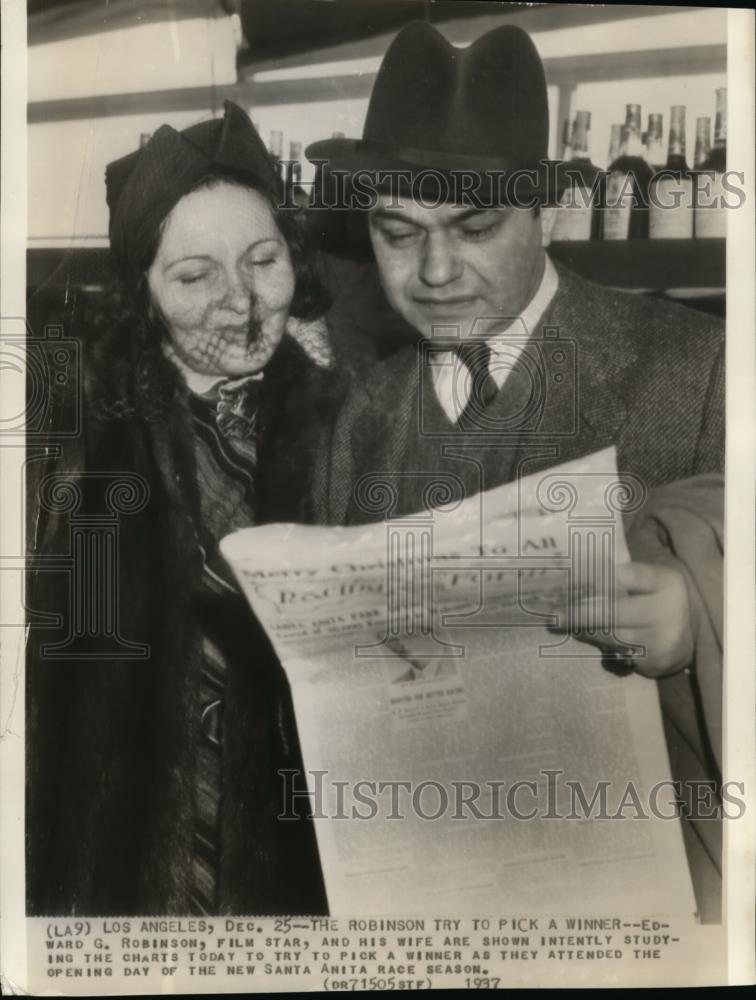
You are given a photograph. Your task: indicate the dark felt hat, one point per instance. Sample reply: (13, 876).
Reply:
(479, 111)
(143, 187)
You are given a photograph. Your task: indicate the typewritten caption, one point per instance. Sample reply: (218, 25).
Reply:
(340, 954)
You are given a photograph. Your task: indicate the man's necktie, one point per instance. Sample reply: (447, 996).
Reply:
(476, 357)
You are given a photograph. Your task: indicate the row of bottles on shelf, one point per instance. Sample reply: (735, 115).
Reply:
(642, 194)
(293, 166)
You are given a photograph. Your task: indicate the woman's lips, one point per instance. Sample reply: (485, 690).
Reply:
(249, 331)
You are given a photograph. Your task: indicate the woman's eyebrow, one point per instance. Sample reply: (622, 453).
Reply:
(185, 260)
(265, 239)
(209, 257)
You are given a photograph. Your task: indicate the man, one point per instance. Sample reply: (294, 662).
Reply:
(572, 368)
(490, 362)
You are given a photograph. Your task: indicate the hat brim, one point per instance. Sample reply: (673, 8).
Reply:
(440, 176)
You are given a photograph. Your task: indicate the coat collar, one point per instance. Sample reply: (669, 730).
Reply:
(603, 358)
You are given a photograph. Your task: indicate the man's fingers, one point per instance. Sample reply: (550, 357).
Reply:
(640, 578)
(622, 612)
(628, 641)
(645, 624)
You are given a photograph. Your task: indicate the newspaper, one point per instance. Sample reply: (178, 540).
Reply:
(428, 688)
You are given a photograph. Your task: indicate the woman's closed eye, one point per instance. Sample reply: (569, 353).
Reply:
(192, 279)
(190, 272)
(261, 257)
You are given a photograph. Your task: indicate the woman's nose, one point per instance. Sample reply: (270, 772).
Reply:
(239, 291)
(439, 264)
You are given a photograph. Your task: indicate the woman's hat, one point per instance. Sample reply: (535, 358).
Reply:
(436, 107)
(143, 187)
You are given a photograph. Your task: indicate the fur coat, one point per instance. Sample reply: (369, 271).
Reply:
(112, 721)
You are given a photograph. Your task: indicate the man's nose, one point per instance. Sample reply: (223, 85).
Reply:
(439, 264)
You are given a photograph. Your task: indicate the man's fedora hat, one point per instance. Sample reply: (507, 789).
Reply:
(479, 111)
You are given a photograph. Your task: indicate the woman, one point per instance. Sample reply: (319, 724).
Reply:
(155, 742)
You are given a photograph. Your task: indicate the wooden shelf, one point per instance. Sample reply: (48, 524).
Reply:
(647, 265)
(565, 72)
(290, 35)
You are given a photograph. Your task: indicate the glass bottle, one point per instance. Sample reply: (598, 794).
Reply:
(703, 142)
(711, 215)
(615, 143)
(294, 174)
(654, 144)
(578, 214)
(275, 147)
(567, 128)
(625, 215)
(670, 213)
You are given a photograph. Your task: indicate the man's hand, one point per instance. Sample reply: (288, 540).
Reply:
(651, 613)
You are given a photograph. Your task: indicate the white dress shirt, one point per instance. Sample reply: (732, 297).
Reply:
(451, 377)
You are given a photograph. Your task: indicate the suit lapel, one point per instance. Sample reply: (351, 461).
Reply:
(565, 397)
(596, 370)
(371, 431)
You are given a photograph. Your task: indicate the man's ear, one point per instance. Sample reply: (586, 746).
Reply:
(548, 218)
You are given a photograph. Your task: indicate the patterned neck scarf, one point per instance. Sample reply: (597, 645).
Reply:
(236, 400)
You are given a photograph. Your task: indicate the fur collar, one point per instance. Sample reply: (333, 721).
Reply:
(126, 374)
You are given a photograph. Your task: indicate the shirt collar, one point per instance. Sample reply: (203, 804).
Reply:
(531, 315)
(509, 343)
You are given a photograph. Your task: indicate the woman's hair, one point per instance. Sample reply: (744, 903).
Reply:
(310, 298)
